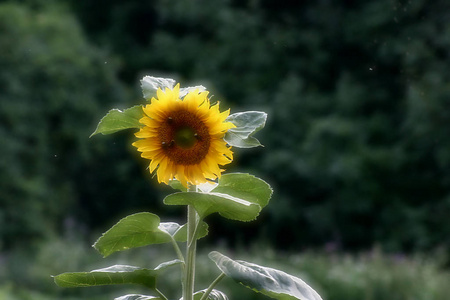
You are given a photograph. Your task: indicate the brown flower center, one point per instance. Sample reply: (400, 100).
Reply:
(184, 138)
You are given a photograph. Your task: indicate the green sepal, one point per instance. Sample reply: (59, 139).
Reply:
(247, 124)
(270, 282)
(116, 120)
(207, 203)
(176, 185)
(139, 230)
(118, 274)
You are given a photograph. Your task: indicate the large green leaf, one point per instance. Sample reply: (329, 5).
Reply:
(214, 295)
(207, 203)
(247, 124)
(136, 230)
(245, 186)
(137, 297)
(118, 274)
(179, 233)
(230, 197)
(271, 282)
(142, 229)
(116, 120)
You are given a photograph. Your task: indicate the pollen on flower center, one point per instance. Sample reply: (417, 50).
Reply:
(184, 138)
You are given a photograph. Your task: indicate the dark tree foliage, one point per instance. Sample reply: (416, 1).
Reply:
(55, 87)
(357, 146)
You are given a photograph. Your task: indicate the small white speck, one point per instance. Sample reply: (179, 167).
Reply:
(370, 69)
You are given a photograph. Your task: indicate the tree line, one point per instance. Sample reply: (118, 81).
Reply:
(357, 145)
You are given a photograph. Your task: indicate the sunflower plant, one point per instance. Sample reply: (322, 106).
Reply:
(188, 141)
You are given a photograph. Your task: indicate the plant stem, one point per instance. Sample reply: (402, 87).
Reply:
(191, 247)
(180, 257)
(161, 294)
(177, 250)
(211, 287)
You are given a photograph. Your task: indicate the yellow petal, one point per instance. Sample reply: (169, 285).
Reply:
(166, 104)
(146, 146)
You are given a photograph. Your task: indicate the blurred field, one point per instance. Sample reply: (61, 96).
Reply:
(369, 276)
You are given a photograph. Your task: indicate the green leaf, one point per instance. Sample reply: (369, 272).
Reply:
(207, 186)
(150, 85)
(179, 233)
(268, 281)
(118, 274)
(134, 231)
(116, 120)
(207, 203)
(187, 90)
(214, 295)
(140, 230)
(137, 297)
(245, 186)
(232, 197)
(247, 124)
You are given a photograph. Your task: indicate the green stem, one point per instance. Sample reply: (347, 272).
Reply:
(161, 294)
(177, 250)
(191, 247)
(197, 228)
(180, 257)
(211, 287)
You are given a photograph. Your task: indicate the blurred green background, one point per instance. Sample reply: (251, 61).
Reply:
(357, 144)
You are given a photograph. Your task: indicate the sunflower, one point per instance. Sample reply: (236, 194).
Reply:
(183, 138)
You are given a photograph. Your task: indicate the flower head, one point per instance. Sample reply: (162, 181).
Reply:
(183, 138)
